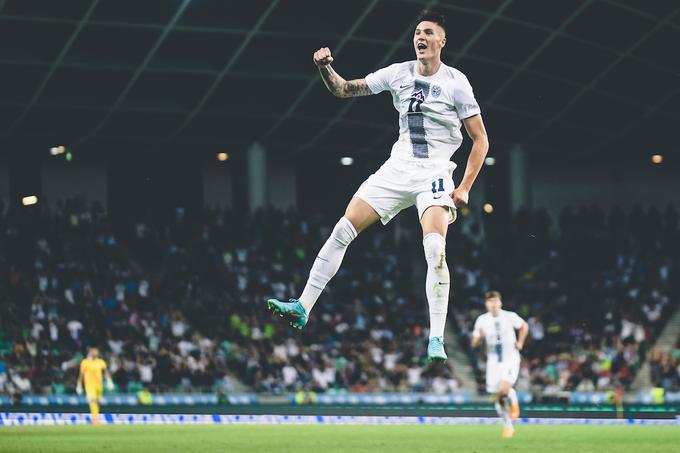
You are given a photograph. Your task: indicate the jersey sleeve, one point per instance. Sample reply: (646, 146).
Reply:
(381, 79)
(477, 329)
(464, 98)
(83, 366)
(516, 320)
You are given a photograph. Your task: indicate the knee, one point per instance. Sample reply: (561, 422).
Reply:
(353, 217)
(360, 214)
(503, 391)
(344, 232)
(434, 245)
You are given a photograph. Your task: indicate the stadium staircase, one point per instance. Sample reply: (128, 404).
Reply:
(238, 386)
(665, 344)
(459, 360)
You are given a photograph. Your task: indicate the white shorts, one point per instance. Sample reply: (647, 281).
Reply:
(496, 372)
(399, 184)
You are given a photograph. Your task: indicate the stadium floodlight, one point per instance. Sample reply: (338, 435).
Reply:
(488, 208)
(346, 161)
(222, 157)
(29, 200)
(657, 158)
(56, 150)
(490, 161)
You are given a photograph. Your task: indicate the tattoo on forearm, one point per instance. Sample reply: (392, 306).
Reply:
(331, 79)
(357, 87)
(341, 87)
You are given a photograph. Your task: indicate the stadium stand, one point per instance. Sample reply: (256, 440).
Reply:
(177, 303)
(188, 309)
(595, 288)
(665, 368)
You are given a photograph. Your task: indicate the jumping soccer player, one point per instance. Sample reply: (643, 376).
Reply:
(91, 370)
(433, 100)
(497, 327)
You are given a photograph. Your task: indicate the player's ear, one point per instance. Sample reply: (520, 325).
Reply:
(443, 41)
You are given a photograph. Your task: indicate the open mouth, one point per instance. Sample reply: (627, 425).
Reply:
(422, 46)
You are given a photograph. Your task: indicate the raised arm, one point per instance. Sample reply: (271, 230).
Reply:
(337, 85)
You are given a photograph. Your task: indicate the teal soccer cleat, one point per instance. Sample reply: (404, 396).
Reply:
(435, 350)
(292, 310)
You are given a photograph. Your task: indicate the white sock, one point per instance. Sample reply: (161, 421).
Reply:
(504, 414)
(512, 395)
(327, 262)
(437, 282)
(507, 421)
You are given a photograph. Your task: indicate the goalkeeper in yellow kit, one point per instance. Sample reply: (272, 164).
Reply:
(91, 370)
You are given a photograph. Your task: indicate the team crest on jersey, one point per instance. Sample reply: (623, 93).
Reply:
(436, 90)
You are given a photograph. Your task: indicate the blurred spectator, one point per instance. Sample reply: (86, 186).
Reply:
(665, 368)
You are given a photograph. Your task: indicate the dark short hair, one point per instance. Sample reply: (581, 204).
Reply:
(433, 16)
(492, 294)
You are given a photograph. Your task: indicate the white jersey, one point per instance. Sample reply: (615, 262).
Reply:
(499, 334)
(430, 109)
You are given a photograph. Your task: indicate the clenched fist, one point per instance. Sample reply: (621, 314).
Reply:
(322, 57)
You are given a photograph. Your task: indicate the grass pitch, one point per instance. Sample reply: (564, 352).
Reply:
(323, 439)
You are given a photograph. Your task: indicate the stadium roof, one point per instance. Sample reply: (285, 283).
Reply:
(207, 75)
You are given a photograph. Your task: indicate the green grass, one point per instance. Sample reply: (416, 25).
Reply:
(322, 439)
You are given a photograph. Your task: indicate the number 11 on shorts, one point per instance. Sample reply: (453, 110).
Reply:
(441, 185)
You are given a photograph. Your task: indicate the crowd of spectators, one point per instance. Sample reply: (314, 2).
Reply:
(665, 368)
(594, 287)
(178, 304)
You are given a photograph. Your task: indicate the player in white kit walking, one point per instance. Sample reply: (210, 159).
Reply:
(433, 100)
(497, 327)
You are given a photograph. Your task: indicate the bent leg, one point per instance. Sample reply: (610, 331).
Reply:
(358, 216)
(514, 403)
